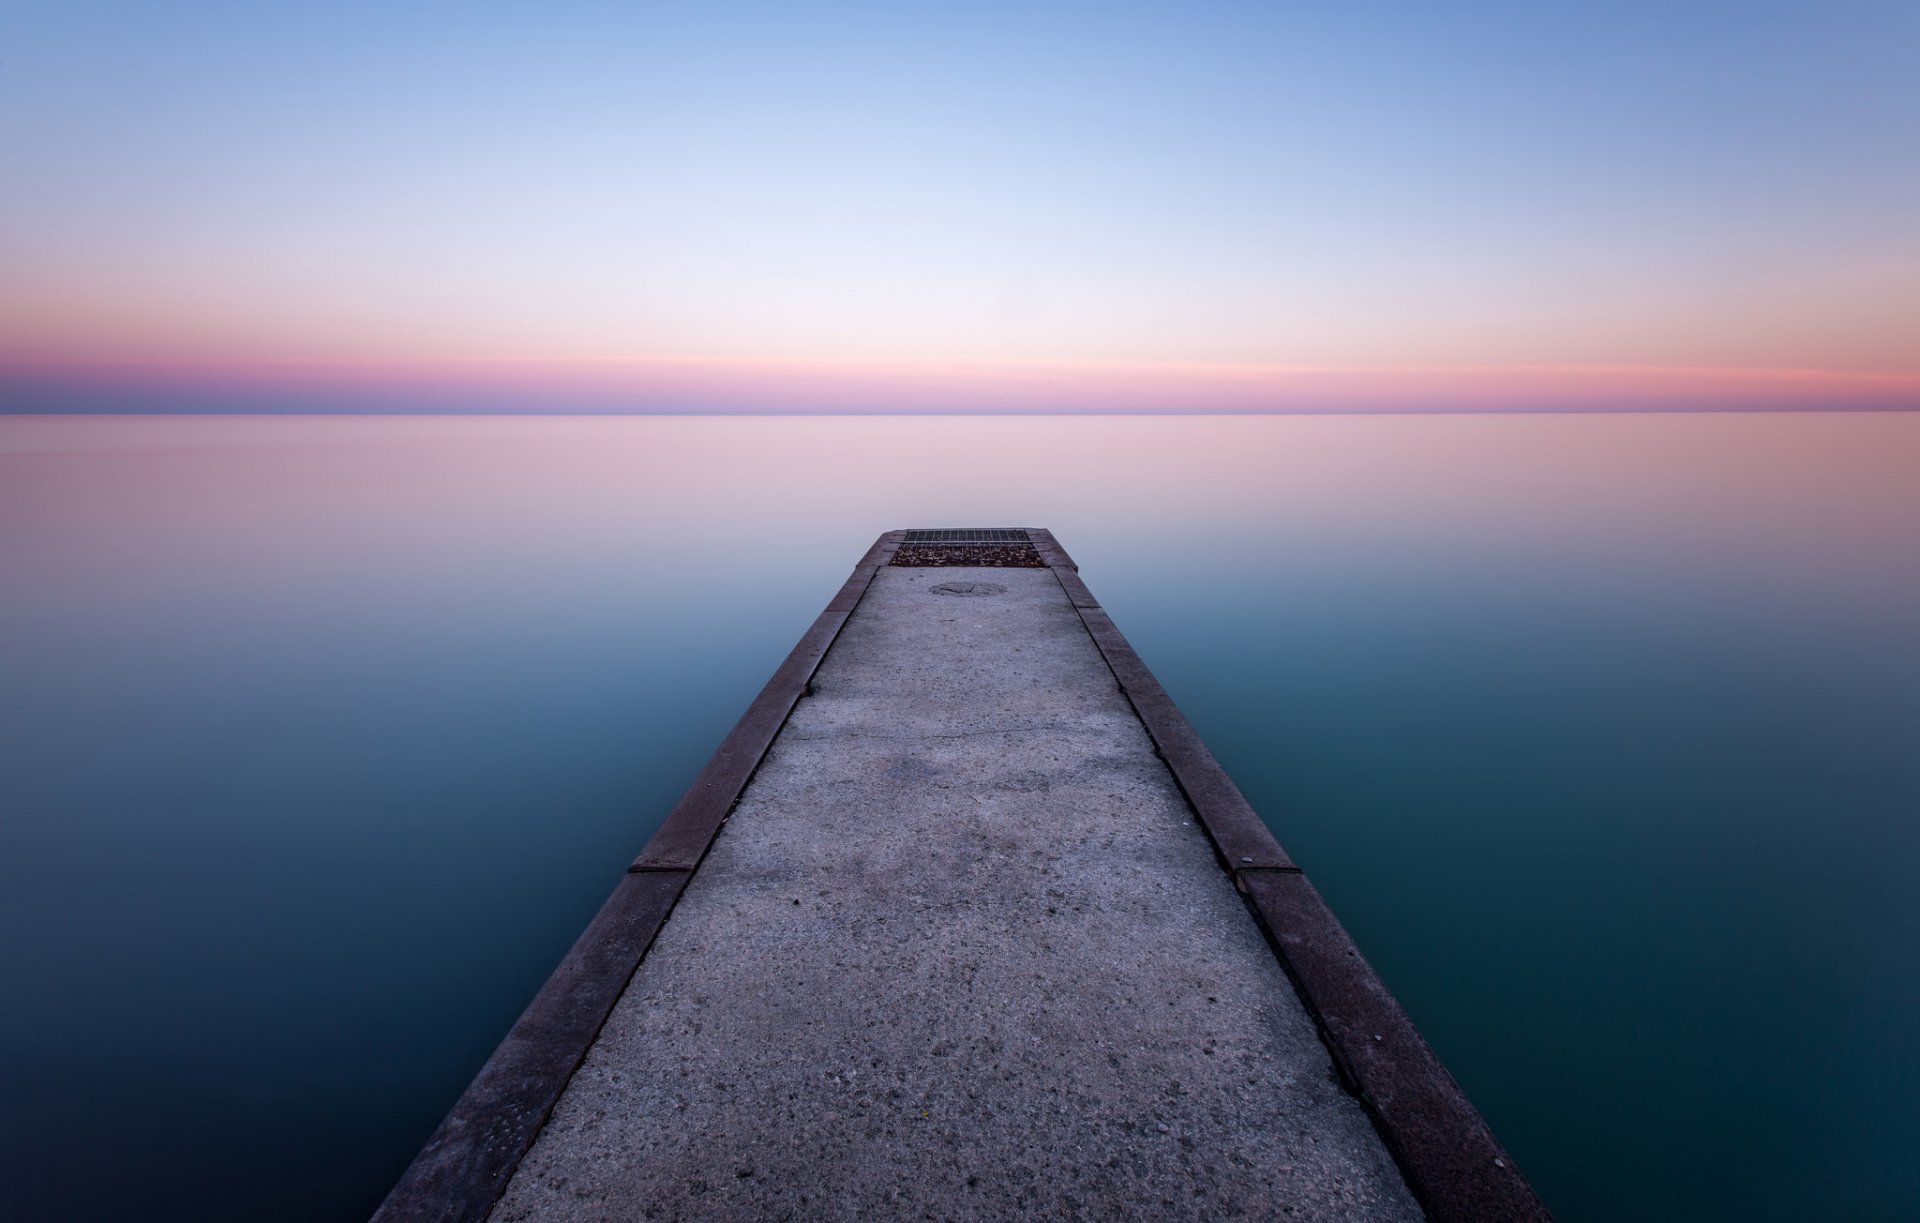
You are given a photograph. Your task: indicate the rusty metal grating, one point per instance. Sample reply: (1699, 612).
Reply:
(977, 547)
(962, 536)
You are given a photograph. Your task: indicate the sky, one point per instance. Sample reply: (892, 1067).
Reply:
(727, 207)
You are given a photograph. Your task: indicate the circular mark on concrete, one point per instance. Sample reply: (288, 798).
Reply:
(968, 590)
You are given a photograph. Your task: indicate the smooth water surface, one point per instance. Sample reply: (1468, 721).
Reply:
(323, 738)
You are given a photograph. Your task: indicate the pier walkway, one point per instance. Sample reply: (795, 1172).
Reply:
(963, 922)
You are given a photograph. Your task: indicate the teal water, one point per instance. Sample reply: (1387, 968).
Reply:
(323, 737)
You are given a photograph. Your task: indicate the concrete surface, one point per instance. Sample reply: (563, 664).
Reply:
(959, 954)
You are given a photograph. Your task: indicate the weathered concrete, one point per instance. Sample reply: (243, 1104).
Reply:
(960, 952)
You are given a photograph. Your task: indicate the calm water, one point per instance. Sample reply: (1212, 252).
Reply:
(323, 738)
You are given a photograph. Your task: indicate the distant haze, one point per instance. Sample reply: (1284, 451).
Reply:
(991, 207)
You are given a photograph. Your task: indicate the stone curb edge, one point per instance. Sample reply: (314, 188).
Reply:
(1452, 1162)
(465, 1165)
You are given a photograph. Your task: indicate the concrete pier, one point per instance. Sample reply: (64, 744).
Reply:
(963, 922)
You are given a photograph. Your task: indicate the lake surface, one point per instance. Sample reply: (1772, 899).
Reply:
(323, 738)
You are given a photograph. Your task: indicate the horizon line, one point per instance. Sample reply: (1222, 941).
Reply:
(1696, 410)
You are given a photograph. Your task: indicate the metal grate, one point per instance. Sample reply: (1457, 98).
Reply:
(968, 535)
(968, 547)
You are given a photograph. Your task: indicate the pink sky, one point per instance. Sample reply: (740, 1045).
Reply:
(787, 385)
(1224, 209)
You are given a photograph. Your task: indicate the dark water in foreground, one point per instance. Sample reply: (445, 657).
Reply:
(323, 738)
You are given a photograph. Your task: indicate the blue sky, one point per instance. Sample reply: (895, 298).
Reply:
(220, 188)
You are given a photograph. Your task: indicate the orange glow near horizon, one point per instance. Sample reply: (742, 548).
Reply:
(1227, 209)
(774, 385)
